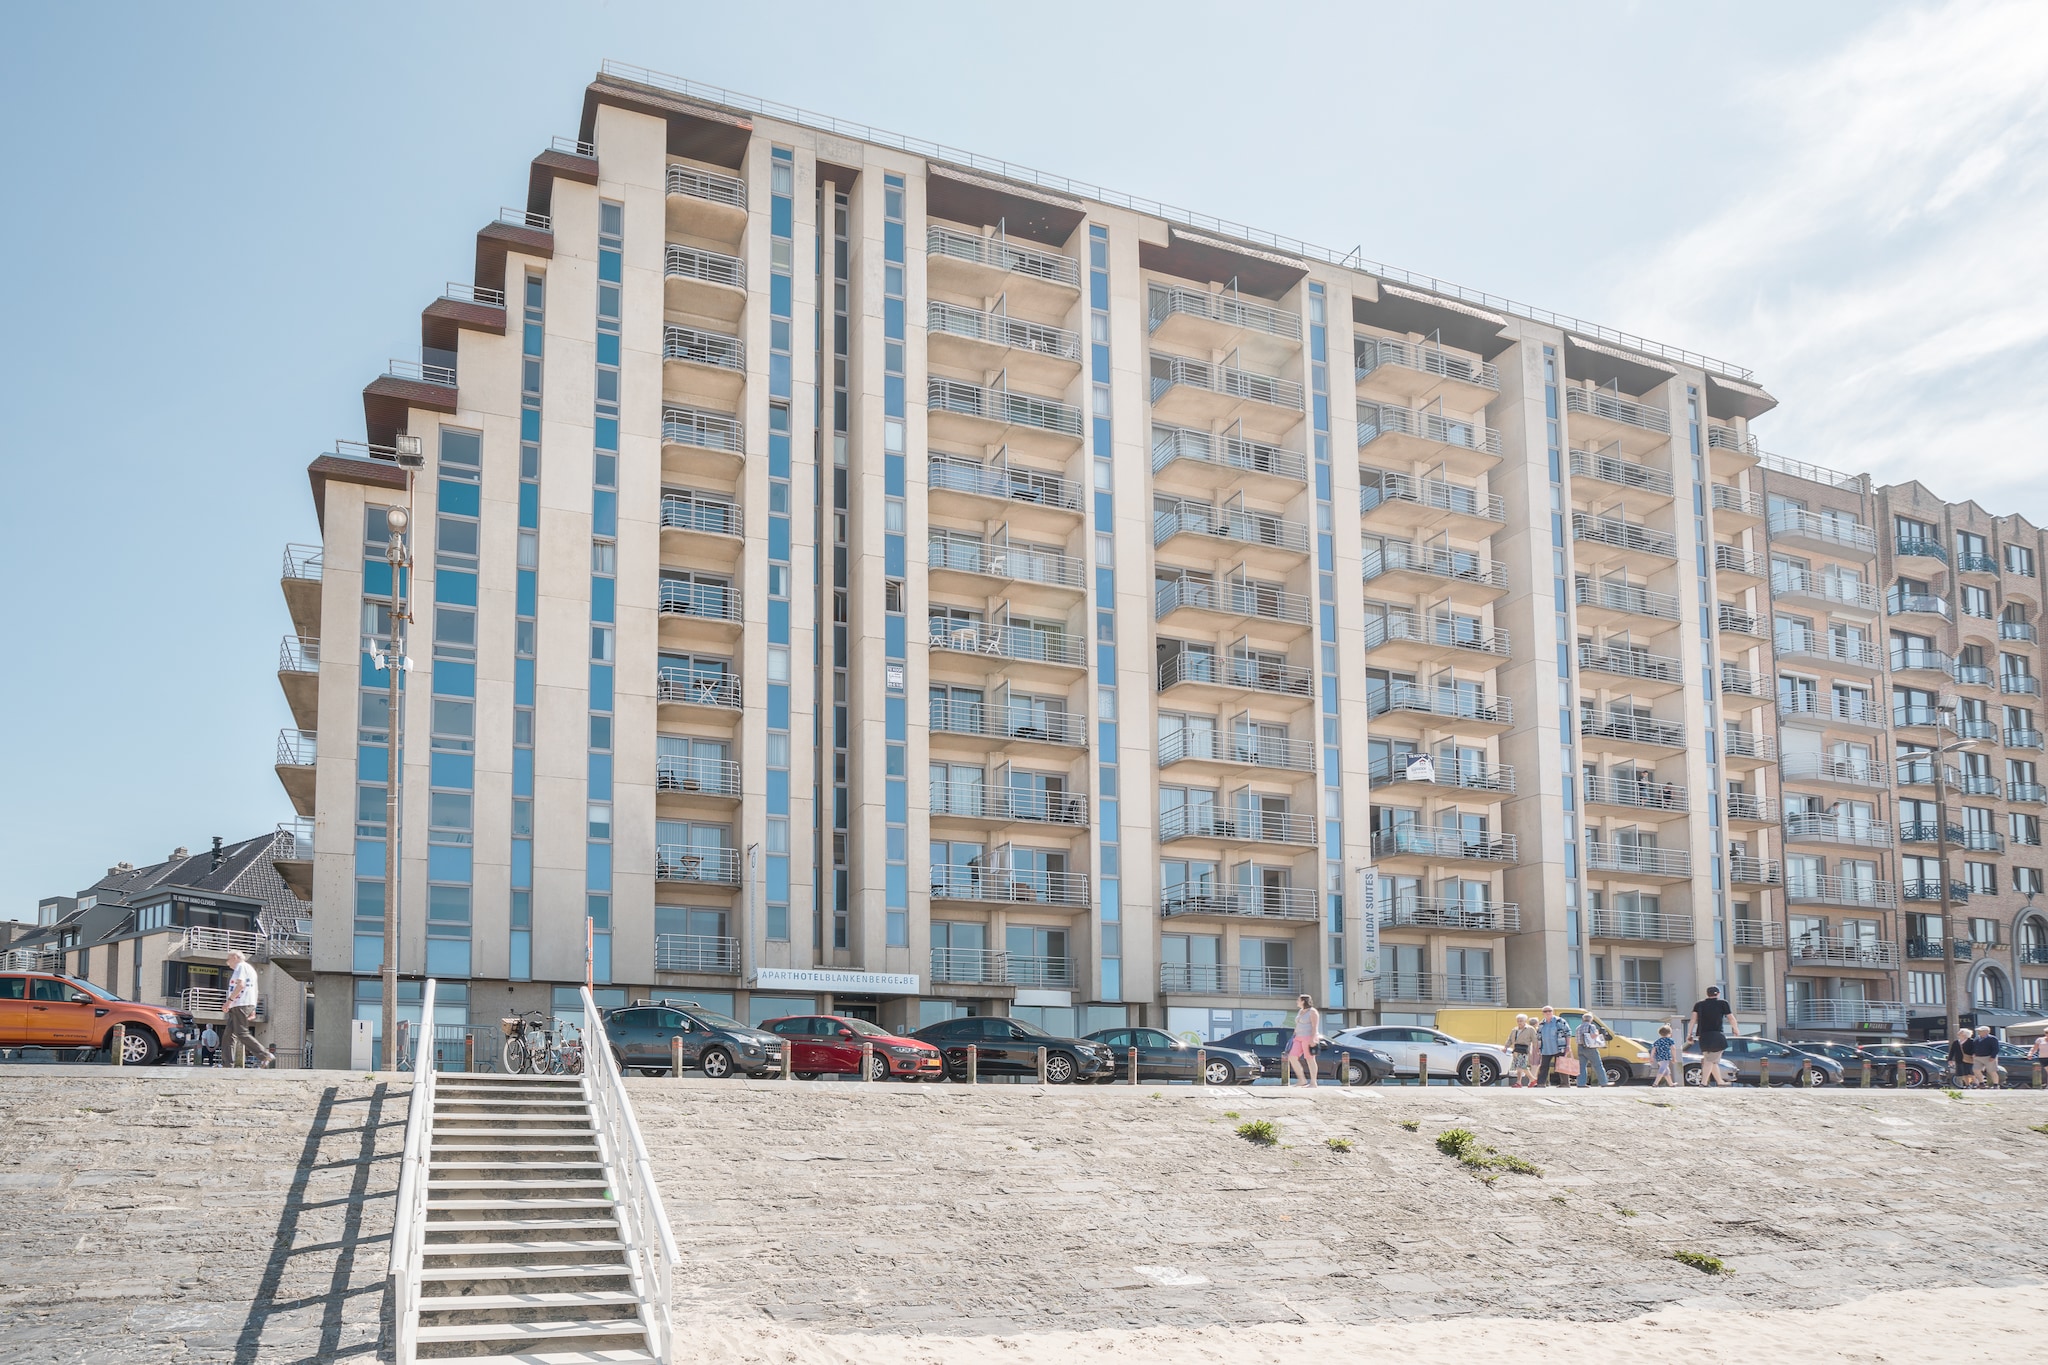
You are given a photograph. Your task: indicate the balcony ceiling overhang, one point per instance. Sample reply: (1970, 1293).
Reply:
(1452, 321)
(550, 166)
(1634, 374)
(1217, 260)
(494, 241)
(1025, 211)
(1726, 398)
(339, 468)
(443, 320)
(698, 131)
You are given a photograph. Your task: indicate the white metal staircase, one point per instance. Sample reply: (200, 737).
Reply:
(529, 1229)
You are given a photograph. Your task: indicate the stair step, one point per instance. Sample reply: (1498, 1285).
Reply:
(530, 1331)
(518, 1248)
(441, 1131)
(508, 1225)
(443, 1303)
(443, 1186)
(605, 1357)
(520, 1165)
(524, 1272)
(477, 1205)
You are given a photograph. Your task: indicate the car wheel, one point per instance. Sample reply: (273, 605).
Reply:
(1914, 1078)
(1219, 1072)
(1059, 1068)
(1811, 1076)
(138, 1047)
(807, 1075)
(878, 1067)
(1478, 1071)
(1617, 1072)
(1358, 1073)
(717, 1063)
(1692, 1074)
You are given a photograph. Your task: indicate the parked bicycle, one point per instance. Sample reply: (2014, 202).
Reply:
(533, 1047)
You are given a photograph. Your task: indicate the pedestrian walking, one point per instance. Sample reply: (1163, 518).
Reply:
(1590, 1038)
(1553, 1043)
(1522, 1052)
(1962, 1067)
(241, 1008)
(2038, 1054)
(1308, 1028)
(1986, 1052)
(209, 1047)
(1713, 1019)
(1662, 1052)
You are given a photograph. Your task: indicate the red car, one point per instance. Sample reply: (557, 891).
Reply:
(821, 1044)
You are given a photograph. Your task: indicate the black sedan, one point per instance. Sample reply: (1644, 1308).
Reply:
(1918, 1065)
(1009, 1047)
(1163, 1057)
(1350, 1062)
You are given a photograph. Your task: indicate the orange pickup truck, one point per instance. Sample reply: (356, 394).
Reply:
(39, 1009)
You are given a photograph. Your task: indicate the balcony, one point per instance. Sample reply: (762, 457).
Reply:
(1971, 675)
(1244, 599)
(705, 204)
(699, 601)
(1915, 660)
(1637, 860)
(701, 514)
(1982, 841)
(1899, 602)
(1748, 999)
(1233, 674)
(1730, 562)
(200, 943)
(1022, 644)
(1631, 662)
(1930, 890)
(1919, 547)
(1289, 903)
(209, 1004)
(300, 580)
(983, 267)
(1236, 750)
(1428, 567)
(1842, 651)
(291, 853)
(1758, 933)
(680, 687)
(298, 672)
(1737, 681)
(1055, 973)
(1906, 717)
(1733, 620)
(1828, 829)
(709, 953)
(1747, 871)
(1012, 721)
(1812, 708)
(1637, 995)
(1478, 777)
(1629, 536)
(1002, 481)
(1628, 599)
(704, 284)
(1599, 417)
(1406, 434)
(1391, 501)
(1975, 563)
(974, 340)
(697, 776)
(297, 751)
(1407, 635)
(1227, 459)
(1219, 321)
(1438, 988)
(701, 365)
(1928, 832)
(1747, 808)
(1443, 845)
(2019, 685)
(689, 434)
(1622, 473)
(1235, 525)
(1450, 912)
(2022, 738)
(951, 552)
(1450, 703)
(2020, 631)
(1007, 885)
(1918, 771)
(1212, 978)
(688, 864)
(1185, 389)
(1980, 784)
(1814, 950)
(1245, 825)
(1654, 796)
(1407, 373)
(1732, 442)
(1627, 924)
(1885, 1015)
(1833, 532)
(2029, 794)
(1853, 892)
(1748, 747)
(978, 967)
(993, 416)
(1624, 728)
(1838, 594)
(1930, 949)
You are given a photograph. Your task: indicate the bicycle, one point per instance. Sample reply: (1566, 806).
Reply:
(531, 1047)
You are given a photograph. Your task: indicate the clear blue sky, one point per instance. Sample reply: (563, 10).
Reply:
(224, 219)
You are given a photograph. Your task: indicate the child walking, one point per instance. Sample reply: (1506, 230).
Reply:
(1662, 1052)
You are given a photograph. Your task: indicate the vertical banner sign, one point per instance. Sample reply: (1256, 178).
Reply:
(1368, 923)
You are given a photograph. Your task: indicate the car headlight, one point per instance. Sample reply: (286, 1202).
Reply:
(895, 1051)
(168, 1018)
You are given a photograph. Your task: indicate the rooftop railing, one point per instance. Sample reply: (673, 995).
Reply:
(459, 291)
(1371, 353)
(1457, 566)
(1382, 419)
(699, 347)
(682, 687)
(696, 953)
(1163, 301)
(1256, 751)
(708, 186)
(1628, 597)
(1250, 824)
(1225, 451)
(1000, 329)
(709, 866)
(711, 267)
(705, 430)
(1831, 528)
(1003, 254)
(696, 775)
(1001, 405)
(1171, 371)
(1595, 403)
(1450, 912)
(1384, 486)
(1251, 675)
(1176, 516)
(1298, 903)
(1614, 469)
(1812, 473)
(698, 512)
(1631, 662)
(1603, 855)
(1386, 625)
(1021, 643)
(1013, 483)
(1015, 720)
(1002, 559)
(1455, 703)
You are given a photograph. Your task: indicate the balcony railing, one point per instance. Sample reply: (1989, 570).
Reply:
(1013, 483)
(1386, 625)
(1800, 583)
(970, 966)
(1178, 516)
(1603, 855)
(1380, 419)
(1001, 559)
(1015, 720)
(1370, 353)
(461, 291)
(1422, 841)
(1003, 254)
(682, 426)
(1930, 890)
(209, 1001)
(1980, 784)
(1022, 643)
(1749, 999)
(994, 801)
(1251, 675)
(1825, 889)
(2018, 630)
(1794, 706)
(1011, 886)
(525, 218)
(1919, 547)
(302, 563)
(1633, 994)
(1971, 675)
(1928, 832)
(206, 941)
(1211, 978)
(298, 654)
(1982, 841)
(1731, 618)
(710, 776)
(1828, 829)
(1967, 562)
(714, 517)
(1741, 743)
(1910, 659)
(1621, 791)
(1613, 469)
(699, 347)
(1740, 682)
(697, 689)
(1221, 822)
(1744, 870)
(1226, 452)
(1817, 949)
(1747, 806)
(2016, 738)
(1450, 912)
(1000, 329)
(1456, 566)
(1439, 988)
(1623, 534)
(1630, 662)
(1758, 933)
(2029, 793)
(1022, 970)
(1652, 928)
(1242, 902)
(1163, 301)
(1255, 751)
(1899, 602)
(1232, 596)
(1730, 560)
(1730, 499)
(700, 601)
(1628, 597)
(1925, 949)
(421, 373)
(1728, 438)
(1829, 528)
(1171, 371)
(1449, 772)
(1001, 405)
(1454, 703)
(687, 863)
(2019, 685)
(708, 186)
(1383, 486)
(1830, 648)
(297, 748)
(711, 267)
(696, 953)
(294, 841)
(1634, 729)
(1595, 403)
(1807, 1013)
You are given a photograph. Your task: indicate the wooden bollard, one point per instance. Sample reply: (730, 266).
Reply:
(675, 1056)
(788, 1061)
(1763, 1072)
(468, 1050)
(867, 1062)
(1422, 1068)
(973, 1063)
(1201, 1066)
(1866, 1074)
(1041, 1066)
(1134, 1066)
(117, 1044)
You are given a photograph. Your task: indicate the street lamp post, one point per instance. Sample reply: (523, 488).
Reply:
(1948, 941)
(398, 522)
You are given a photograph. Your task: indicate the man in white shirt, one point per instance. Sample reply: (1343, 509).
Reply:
(241, 1008)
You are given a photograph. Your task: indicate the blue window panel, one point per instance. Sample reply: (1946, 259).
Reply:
(778, 456)
(895, 718)
(1098, 290)
(609, 265)
(607, 433)
(601, 958)
(370, 859)
(529, 505)
(892, 555)
(778, 923)
(371, 763)
(376, 578)
(1105, 738)
(369, 955)
(892, 315)
(897, 888)
(778, 876)
(1102, 442)
(1327, 615)
(1112, 978)
(522, 864)
(460, 498)
(1111, 895)
(892, 395)
(1098, 364)
(893, 634)
(778, 789)
(892, 244)
(597, 868)
(453, 679)
(778, 706)
(1105, 586)
(604, 593)
(897, 800)
(898, 922)
(1318, 343)
(522, 682)
(892, 475)
(448, 957)
(600, 777)
(522, 955)
(1106, 815)
(1105, 661)
(607, 348)
(781, 215)
(527, 592)
(600, 687)
(452, 772)
(529, 424)
(455, 588)
(522, 772)
(778, 375)
(778, 539)
(532, 338)
(1319, 404)
(778, 621)
(778, 296)
(1104, 512)
(449, 863)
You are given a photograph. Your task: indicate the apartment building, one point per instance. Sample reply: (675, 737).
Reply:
(850, 575)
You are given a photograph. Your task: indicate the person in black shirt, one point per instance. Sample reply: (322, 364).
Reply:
(1713, 1019)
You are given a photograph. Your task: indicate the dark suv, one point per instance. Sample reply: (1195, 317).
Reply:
(713, 1043)
(1009, 1047)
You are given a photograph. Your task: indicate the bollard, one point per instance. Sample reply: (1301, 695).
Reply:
(675, 1056)
(468, 1050)
(788, 1061)
(1202, 1066)
(117, 1043)
(1763, 1072)
(1134, 1066)
(973, 1063)
(1041, 1066)
(404, 1046)
(1422, 1068)
(867, 1062)
(1866, 1074)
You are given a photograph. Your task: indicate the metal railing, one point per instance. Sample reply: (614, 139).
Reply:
(1730, 560)
(1596, 403)
(1971, 675)
(1812, 473)
(298, 654)
(1739, 681)
(1728, 438)
(294, 840)
(1741, 743)
(1650, 795)
(1226, 451)
(302, 563)
(1383, 419)
(1024, 970)
(30, 960)
(696, 953)
(1450, 912)
(1835, 952)
(1844, 1013)
(697, 512)
(1982, 841)
(1747, 871)
(1000, 329)
(1457, 566)
(573, 146)
(2019, 685)
(1605, 855)
(1453, 702)
(2029, 793)
(1968, 562)
(706, 430)
(995, 801)
(1829, 829)
(1384, 487)
(211, 1000)
(1748, 806)
(1386, 625)
(1799, 582)
(1928, 832)
(1009, 482)
(1257, 751)
(1175, 371)
(1222, 822)
(1179, 516)
(1632, 728)
(1628, 597)
(1829, 528)
(1242, 902)
(1730, 499)
(1918, 771)
(1735, 619)
(650, 1244)
(441, 376)
(459, 291)
(1213, 978)
(973, 966)
(1439, 988)
(2018, 630)
(1924, 949)
(1162, 302)
(1758, 933)
(409, 1216)
(1021, 643)
(1011, 886)
(1835, 649)
(1827, 889)
(1899, 602)
(206, 941)
(2019, 738)
(1001, 405)
(1423, 841)
(697, 689)
(1980, 784)
(703, 601)
(708, 186)
(708, 776)
(1232, 596)
(999, 720)
(699, 347)
(1370, 353)
(1633, 995)
(1002, 559)
(1003, 254)
(1631, 662)
(1841, 710)
(712, 267)
(1623, 534)
(1446, 772)
(297, 748)
(711, 866)
(1919, 547)
(1614, 469)
(1251, 675)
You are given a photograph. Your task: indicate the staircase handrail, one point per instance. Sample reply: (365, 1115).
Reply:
(409, 1219)
(650, 1242)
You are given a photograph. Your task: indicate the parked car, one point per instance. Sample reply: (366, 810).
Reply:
(1919, 1065)
(1009, 1047)
(830, 1044)
(1163, 1057)
(42, 1009)
(1471, 1063)
(1884, 1071)
(1789, 1065)
(641, 1036)
(1350, 1061)
(1623, 1058)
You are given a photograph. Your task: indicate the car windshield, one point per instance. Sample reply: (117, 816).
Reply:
(90, 989)
(864, 1028)
(713, 1019)
(1028, 1030)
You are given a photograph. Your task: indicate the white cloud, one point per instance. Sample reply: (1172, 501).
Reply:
(1885, 269)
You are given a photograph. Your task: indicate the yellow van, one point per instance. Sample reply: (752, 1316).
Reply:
(1625, 1059)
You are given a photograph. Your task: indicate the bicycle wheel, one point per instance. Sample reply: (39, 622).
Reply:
(516, 1058)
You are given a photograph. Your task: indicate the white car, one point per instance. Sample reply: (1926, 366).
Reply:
(1471, 1063)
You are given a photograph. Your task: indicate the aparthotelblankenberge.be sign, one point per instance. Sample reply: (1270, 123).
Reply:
(824, 979)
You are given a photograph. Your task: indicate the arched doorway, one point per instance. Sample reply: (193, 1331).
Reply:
(1991, 991)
